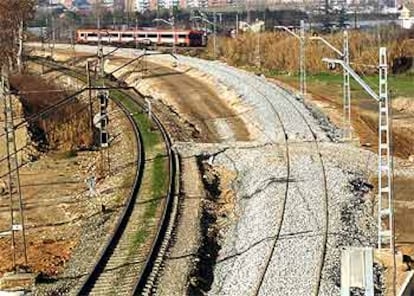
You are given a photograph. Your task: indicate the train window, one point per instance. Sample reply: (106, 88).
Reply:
(182, 36)
(152, 35)
(142, 36)
(114, 35)
(93, 35)
(127, 35)
(82, 35)
(166, 35)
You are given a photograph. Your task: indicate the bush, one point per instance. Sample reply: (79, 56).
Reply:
(65, 128)
(279, 51)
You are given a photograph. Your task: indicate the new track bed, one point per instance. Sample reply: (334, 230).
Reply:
(271, 270)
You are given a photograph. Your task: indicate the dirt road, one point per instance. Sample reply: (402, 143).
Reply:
(196, 101)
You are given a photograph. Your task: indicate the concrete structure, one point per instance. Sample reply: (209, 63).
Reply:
(357, 270)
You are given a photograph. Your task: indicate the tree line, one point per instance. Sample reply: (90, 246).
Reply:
(13, 16)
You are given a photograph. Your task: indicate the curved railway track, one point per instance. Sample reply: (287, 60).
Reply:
(318, 276)
(101, 279)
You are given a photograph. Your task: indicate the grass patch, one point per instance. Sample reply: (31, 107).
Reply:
(139, 238)
(399, 85)
(149, 134)
(159, 185)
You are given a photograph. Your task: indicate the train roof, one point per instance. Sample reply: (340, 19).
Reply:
(152, 30)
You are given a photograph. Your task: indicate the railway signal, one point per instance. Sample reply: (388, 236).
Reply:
(103, 98)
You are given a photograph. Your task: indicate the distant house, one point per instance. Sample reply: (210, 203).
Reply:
(254, 27)
(407, 16)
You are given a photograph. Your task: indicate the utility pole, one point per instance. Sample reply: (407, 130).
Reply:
(215, 35)
(52, 35)
(302, 62)
(237, 24)
(136, 32)
(259, 60)
(20, 52)
(17, 226)
(88, 75)
(347, 90)
(172, 20)
(385, 210)
(100, 48)
(43, 49)
(302, 57)
(385, 168)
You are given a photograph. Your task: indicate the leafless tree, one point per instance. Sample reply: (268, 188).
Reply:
(13, 15)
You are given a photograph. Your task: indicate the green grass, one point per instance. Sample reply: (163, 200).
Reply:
(399, 85)
(139, 238)
(150, 136)
(159, 188)
(159, 185)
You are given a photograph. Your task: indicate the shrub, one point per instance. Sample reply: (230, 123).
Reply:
(65, 128)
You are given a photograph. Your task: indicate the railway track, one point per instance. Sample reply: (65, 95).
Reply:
(318, 276)
(287, 143)
(121, 270)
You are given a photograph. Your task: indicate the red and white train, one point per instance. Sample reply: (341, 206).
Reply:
(143, 37)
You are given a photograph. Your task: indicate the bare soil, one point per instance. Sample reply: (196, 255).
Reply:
(193, 99)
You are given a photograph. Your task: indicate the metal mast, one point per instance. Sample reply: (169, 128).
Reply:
(18, 235)
(100, 47)
(385, 213)
(347, 90)
(302, 62)
(385, 209)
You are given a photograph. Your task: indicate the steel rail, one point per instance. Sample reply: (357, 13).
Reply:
(316, 290)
